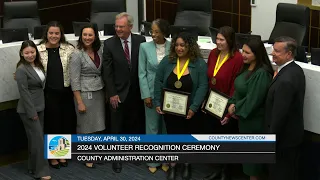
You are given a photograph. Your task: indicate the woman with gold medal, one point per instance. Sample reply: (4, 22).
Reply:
(224, 64)
(183, 70)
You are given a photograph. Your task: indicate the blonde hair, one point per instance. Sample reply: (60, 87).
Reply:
(128, 16)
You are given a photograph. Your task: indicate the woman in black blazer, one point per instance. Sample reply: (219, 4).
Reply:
(30, 78)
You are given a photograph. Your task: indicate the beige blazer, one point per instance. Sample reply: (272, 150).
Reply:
(65, 52)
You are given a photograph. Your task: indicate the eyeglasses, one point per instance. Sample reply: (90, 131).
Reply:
(154, 32)
(119, 27)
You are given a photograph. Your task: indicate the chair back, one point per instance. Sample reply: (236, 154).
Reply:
(39, 31)
(242, 38)
(315, 56)
(14, 35)
(213, 33)
(77, 26)
(109, 30)
(292, 20)
(21, 14)
(193, 30)
(195, 13)
(147, 28)
(105, 11)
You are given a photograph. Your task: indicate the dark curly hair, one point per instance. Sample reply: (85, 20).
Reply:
(191, 45)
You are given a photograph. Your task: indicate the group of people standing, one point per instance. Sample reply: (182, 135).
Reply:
(129, 74)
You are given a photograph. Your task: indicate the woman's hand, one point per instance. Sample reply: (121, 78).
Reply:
(35, 118)
(81, 108)
(190, 114)
(202, 106)
(148, 102)
(158, 109)
(231, 109)
(224, 121)
(235, 117)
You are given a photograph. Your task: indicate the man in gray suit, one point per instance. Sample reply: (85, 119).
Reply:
(30, 79)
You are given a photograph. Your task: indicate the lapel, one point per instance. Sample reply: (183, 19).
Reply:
(33, 73)
(168, 44)
(191, 67)
(100, 57)
(89, 61)
(153, 53)
(134, 50)
(121, 51)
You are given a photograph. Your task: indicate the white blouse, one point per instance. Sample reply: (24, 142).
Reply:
(161, 51)
(40, 73)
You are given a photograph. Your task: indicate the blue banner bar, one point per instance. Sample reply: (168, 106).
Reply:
(171, 138)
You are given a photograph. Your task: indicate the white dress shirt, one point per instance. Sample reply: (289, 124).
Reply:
(40, 73)
(129, 44)
(161, 51)
(283, 65)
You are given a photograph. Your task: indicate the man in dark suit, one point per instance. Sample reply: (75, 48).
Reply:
(120, 73)
(284, 110)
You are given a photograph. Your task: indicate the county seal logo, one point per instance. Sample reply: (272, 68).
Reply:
(58, 146)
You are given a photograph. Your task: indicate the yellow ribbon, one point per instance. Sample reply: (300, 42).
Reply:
(218, 64)
(179, 74)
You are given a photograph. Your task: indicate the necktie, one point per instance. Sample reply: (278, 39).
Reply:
(275, 73)
(126, 51)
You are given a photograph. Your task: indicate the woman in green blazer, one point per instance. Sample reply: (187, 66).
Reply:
(248, 101)
(183, 70)
(150, 55)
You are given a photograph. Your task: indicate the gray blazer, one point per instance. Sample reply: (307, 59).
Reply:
(31, 91)
(84, 74)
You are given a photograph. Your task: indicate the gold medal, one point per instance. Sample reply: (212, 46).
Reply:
(178, 84)
(213, 81)
(217, 67)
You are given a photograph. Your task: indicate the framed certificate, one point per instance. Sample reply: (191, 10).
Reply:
(216, 104)
(175, 102)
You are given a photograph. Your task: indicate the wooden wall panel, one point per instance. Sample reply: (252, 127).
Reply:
(220, 19)
(245, 24)
(314, 37)
(64, 16)
(150, 10)
(225, 13)
(168, 11)
(225, 5)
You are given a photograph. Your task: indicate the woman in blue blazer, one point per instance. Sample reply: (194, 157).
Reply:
(30, 79)
(150, 55)
(183, 70)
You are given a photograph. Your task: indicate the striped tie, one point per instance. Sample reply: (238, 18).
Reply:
(126, 51)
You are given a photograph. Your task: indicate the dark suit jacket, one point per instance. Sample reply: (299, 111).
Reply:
(31, 91)
(284, 106)
(117, 74)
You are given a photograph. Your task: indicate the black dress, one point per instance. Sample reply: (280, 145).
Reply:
(177, 124)
(59, 114)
